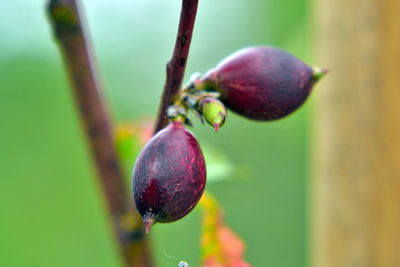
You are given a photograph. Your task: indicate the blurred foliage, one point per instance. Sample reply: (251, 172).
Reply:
(221, 247)
(51, 208)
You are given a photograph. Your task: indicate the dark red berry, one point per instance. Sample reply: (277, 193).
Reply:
(261, 83)
(169, 176)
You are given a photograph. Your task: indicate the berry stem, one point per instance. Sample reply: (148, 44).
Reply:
(70, 32)
(177, 64)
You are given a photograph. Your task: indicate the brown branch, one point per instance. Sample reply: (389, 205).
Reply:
(176, 66)
(70, 33)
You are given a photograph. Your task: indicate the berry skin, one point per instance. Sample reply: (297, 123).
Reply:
(261, 83)
(169, 176)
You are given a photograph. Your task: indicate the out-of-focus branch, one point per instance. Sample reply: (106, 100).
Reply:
(71, 36)
(356, 181)
(177, 65)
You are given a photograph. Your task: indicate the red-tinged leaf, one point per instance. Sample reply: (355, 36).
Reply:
(220, 246)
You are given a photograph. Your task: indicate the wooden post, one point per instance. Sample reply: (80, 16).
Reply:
(355, 203)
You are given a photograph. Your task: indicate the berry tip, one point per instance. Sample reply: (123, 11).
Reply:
(216, 126)
(148, 222)
(319, 73)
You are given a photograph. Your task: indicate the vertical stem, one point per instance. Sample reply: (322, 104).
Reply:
(72, 37)
(177, 64)
(356, 182)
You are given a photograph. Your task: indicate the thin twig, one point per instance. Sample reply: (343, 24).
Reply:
(176, 66)
(72, 37)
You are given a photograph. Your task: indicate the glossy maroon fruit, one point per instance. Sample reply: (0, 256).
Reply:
(169, 176)
(261, 83)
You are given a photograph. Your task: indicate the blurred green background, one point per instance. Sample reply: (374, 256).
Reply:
(51, 211)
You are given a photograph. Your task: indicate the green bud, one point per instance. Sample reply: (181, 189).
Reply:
(214, 112)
